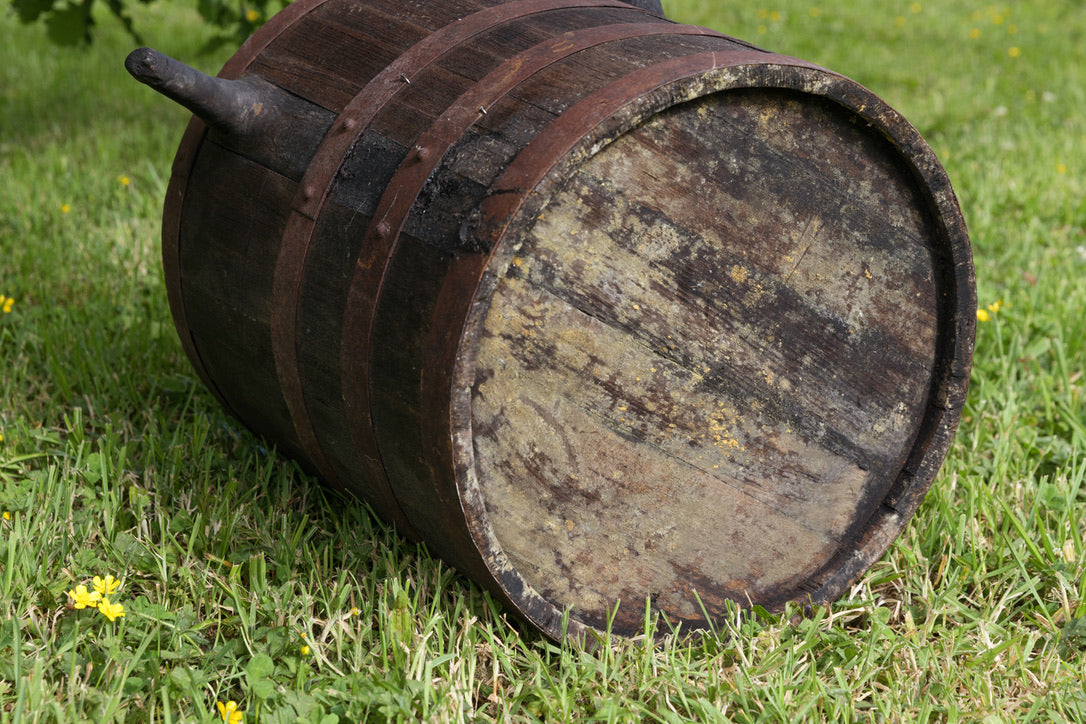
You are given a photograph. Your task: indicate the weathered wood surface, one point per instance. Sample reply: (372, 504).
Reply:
(602, 307)
(710, 392)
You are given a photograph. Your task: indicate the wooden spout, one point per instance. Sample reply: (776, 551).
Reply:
(239, 107)
(249, 116)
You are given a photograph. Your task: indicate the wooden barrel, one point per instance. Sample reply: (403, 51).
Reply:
(607, 310)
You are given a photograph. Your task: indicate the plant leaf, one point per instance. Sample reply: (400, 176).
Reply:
(260, 666)
(31, 10)
(71, 25)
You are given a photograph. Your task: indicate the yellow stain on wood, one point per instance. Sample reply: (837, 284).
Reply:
(767, 116)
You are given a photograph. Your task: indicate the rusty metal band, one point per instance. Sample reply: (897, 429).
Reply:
(400, 197)
(181, 170)
(589, 123)
(357, 115)
(319, 178)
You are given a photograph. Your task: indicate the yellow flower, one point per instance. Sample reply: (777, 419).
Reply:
(124, 180)
(82, 598)
(1014, 51)
(107, 586)
(814, 12)
(915, 8)
(7, 515)
(65, 208)
(983, 316)
(974, 33)
(304, 651)
(900, 21)
(6, 303)
(251, 15)
(1061, 168)
(110, 610)
(229, 712)
(995, 306)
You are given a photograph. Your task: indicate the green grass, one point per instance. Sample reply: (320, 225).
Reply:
(115, 460)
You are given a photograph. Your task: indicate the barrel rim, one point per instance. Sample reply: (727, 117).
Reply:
(516, 198)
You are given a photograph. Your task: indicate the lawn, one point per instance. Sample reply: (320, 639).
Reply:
(243, 580)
